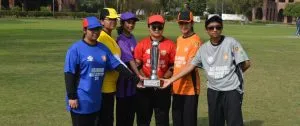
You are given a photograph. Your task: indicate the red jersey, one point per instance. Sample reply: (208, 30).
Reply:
(167, 51)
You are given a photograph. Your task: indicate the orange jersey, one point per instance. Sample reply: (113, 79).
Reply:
(186, 50)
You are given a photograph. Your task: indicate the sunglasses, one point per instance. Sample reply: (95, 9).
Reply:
(159, 27)
(214, 27)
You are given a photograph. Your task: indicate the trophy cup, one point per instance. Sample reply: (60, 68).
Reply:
(154, 55)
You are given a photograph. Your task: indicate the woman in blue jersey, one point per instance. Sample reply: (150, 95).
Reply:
(85, 64)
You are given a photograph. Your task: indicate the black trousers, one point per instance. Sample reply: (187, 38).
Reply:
(184, 110)
(106, 117)
(84, 119)
(225, 106)
(125, 111)
(150, 99)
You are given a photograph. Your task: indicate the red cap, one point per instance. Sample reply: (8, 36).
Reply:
(156, 18)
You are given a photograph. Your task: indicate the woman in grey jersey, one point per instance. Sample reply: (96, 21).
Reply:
(224, 61)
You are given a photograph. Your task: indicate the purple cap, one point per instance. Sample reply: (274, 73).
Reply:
(128, 15)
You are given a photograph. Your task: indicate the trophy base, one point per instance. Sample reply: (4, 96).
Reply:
(152, 83)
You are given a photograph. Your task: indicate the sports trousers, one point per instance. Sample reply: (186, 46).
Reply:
(184, 110)
(150, 99)
(225, 106)
(106, 117)
(125, 110)
(84, 119)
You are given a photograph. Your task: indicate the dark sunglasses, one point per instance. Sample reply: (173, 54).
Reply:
(159, 27)
(214, 27)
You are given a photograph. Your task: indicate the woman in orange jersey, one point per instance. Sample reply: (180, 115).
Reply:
(186, 90)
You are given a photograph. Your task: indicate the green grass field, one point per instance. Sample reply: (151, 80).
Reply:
(32, 88)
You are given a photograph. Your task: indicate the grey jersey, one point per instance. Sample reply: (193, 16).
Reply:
(219, 63)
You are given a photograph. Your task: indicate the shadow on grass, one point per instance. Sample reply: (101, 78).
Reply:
(202, 121)
(254, 123)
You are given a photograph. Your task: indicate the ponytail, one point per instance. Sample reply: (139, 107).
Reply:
(120, 28)
(83, 36)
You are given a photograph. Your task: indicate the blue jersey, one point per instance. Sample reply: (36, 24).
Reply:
(89, 63)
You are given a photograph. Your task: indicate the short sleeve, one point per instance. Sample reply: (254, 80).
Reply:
(194, 48)
(238, 52)
(138, 51)
(111, 62)
(71, 61)
(197, 59)
(126, 53)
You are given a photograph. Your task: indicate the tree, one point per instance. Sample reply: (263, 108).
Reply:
(245, 6)
(91, 6)
(197, 6)
(233, 6)
(292, 10)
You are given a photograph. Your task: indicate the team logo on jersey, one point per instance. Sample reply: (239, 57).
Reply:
(163, 52)
(210, 59)
(196, 44)
(225, 56)
(148, 51)
(236, 49)
(186, 49)
(103, 58)
(132, 49)
(90, 58)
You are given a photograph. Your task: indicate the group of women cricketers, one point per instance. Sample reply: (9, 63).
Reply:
(100, 70)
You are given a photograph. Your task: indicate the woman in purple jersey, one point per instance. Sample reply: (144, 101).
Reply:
(125, 110)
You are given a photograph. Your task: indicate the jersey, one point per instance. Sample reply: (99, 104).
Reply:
(186, 50)
(127, 44)
(167, 50)
(110, 80)
(220, 63)
(90, 62)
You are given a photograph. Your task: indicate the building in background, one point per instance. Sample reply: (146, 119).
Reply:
(34, 5)
(272, 10)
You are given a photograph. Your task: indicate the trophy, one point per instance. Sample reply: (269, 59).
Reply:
(153, 82)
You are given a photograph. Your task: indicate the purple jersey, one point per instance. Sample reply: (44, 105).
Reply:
(127, 45)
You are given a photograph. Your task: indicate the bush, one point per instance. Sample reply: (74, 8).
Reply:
(142, 17)
(46, 14)
(16, 8)
(261, 22)
(170, 18)
(45, 9)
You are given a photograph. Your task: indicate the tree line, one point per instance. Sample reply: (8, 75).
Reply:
(168, 7)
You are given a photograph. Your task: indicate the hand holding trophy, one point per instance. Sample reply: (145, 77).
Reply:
(154, 55)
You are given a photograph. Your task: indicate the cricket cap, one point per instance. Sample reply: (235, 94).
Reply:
(91, 22)
(185, 16)
(108, 13)
(156, 18)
